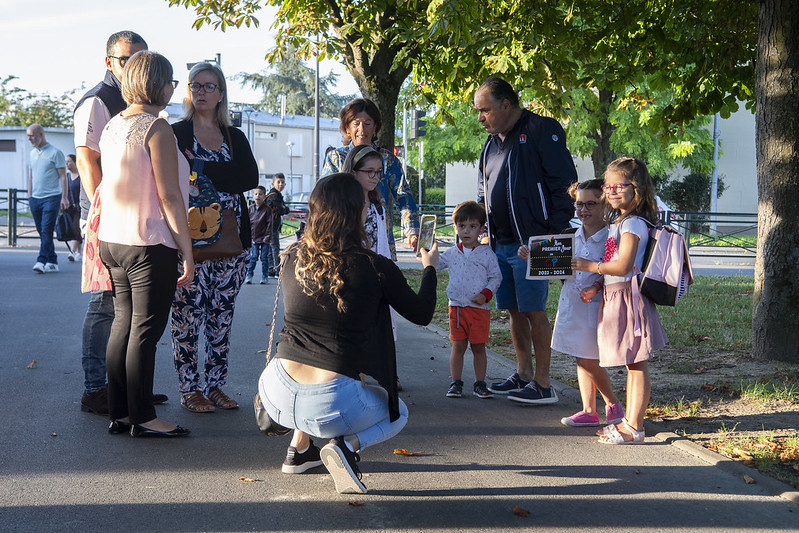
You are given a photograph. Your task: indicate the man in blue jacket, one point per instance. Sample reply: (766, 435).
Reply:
(524, 172)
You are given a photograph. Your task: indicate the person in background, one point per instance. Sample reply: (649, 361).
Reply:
(143, 236)
(208, 303)
(360, 124)
(336, 325)
(47, 193)
(279, 208)
(74, 203)
(261, 221)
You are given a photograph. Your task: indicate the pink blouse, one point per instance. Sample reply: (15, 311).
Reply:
(132, 212)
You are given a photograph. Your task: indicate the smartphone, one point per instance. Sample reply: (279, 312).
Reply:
(427, 233)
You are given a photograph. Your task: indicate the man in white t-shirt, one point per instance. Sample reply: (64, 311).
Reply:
(92, 113)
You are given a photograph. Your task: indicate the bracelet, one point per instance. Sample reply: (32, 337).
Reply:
(597, 267)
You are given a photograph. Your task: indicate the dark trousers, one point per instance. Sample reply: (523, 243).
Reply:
(144, 280)
(45, 212)
(274, 244)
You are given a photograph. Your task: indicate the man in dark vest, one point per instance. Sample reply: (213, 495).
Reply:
(92, 113)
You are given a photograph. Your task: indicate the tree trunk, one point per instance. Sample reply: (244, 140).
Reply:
(602, 155)
(775, 313)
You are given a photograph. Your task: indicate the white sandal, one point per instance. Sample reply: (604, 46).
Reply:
(612, 435)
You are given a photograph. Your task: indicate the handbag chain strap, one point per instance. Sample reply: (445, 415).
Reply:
(274, 312)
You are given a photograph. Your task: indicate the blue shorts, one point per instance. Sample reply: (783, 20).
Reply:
(516, 291)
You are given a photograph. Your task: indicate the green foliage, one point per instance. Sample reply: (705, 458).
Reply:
(435, 196)
(291, 77)
(19, 107)
(691, 193)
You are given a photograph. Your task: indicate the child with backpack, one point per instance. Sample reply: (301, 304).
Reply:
(629, 327)
(474, 277)
(575, 328)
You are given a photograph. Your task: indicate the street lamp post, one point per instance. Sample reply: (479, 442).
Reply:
(290, 144)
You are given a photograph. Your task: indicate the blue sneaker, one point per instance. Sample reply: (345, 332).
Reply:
(455, 389)
(535, 394)
(513, 383)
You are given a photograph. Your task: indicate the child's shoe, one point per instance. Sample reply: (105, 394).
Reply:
(580, 419)
(248, 279)
(481, 390)
(614, 413)
(455, 389)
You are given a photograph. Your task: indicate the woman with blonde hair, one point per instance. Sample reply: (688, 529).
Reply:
(143, 233)
(208, 303)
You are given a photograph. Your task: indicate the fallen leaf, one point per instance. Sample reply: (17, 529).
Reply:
(743, 454)
(249, 480)
(749, 480)
(519, 511)
(699, 370)
(403, 451)
(637, 470)
(53, 434)
(33, 364)
(356, 503)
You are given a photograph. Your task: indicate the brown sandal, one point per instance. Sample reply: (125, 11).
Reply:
(196, 402)
(222, 400)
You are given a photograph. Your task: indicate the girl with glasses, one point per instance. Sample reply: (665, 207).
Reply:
(629, 327)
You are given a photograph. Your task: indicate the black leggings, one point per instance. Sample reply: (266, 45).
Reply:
(144, 280)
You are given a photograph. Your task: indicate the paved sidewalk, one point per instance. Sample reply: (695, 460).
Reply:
(61, 471)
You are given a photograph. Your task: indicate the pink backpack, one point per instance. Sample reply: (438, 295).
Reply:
(667, 269)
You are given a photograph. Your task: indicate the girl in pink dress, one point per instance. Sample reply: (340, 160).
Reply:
(629, 327)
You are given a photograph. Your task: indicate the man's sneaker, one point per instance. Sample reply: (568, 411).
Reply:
(297, 463)
(77, 257)
(580, 419)
(513, 383)
(264, 281)
(343, 466)
(614, 413)
(96, 402)
(38, 267)
(481, 391)
(535, 394)
(455, 389)
(71, 257)
(51, 267)
(248, 279)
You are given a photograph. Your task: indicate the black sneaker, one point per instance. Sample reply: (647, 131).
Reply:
(343, 467)
(513, 383)
(297, 463)
(455, 389)
(535, 394)
(481, 391)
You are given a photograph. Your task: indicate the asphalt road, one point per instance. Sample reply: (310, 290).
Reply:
(61, 471)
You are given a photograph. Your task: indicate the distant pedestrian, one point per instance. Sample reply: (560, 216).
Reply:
(274, 199)
(474, 277)
(575, 329)
(47, 193)
(74, 204)
(629, 326)
(261, 221)
(524, 172)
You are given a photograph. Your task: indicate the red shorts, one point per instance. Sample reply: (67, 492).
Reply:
(469, 323)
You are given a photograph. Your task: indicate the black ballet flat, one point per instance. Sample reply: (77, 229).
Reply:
(117, 427)
(141, 431)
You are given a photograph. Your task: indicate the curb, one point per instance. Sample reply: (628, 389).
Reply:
(734, 468)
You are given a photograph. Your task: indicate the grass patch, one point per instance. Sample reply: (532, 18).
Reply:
(777, 456)
(783, 387)
(745, 241)
(679, 409)
(716, 315)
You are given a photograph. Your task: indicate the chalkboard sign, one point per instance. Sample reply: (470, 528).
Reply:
(550, 257)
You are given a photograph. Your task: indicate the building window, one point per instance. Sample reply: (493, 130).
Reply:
(8, 145)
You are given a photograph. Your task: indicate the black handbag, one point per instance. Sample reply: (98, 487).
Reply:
(269, 427)
(67, 225)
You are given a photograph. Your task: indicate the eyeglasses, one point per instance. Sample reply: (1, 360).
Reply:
(206, 87)
(615, 189)
(122, 60)
(587, 205)
(174, 84)
(372, 173)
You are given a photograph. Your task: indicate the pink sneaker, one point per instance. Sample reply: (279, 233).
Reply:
(614, 413)
(580, 419)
